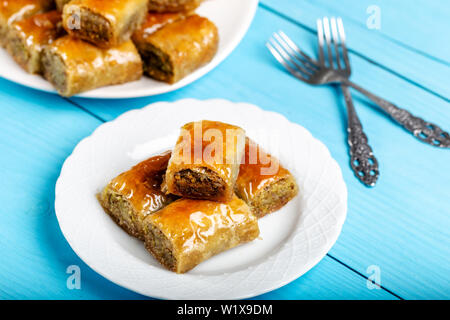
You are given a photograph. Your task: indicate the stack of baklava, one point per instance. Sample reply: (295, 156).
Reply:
(80, 45)
(202, 198)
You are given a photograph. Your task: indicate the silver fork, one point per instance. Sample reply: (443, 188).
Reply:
(330, 69)
(307, 69)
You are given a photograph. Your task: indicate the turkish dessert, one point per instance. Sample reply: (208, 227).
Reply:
(104, 23)
(136, 193)
(15, 10)
(27, 38)
(205, 161)
(187, 232)
(173, 5)
(226, 182)
(80, 45)
(263, 183)
(171, 51)
(74, 66)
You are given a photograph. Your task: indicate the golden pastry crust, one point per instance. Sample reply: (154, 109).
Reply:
(188, 232)
(27, 38)
(263, 183)
(74, 66)
(16, 10)
(173, 5)
(177, 49)
(155, 21)
(205, 161)
(104, 23)
(136, 193)
(61, 3)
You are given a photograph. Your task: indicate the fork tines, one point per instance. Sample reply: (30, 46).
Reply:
(333, 31)
(330, 32)
(291, 57)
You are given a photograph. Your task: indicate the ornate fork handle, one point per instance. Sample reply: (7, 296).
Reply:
(362, 160)
(425, 131)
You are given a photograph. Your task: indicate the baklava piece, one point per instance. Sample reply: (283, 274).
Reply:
(173, 5)
(205, 161)
(263, 183)
(16, 10)
(27, 37)
(177, 49)
(188, 232)
(153, 22)
(135, 194)
(104, 23)
(74, 66)
(61, 3)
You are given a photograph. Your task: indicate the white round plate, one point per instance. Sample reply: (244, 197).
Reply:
(293, 239)
(232, 18)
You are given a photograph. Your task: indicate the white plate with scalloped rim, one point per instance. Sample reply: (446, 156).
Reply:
(232, 18)
(293, 239)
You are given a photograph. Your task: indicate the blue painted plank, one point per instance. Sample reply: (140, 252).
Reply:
(402, 225)
(419, 26)
(38, 132)
(431, 74)
(296, 289)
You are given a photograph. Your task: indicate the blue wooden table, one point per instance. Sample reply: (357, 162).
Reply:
(396, 234)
